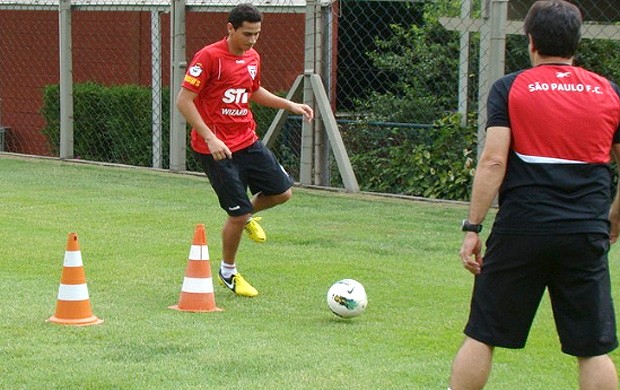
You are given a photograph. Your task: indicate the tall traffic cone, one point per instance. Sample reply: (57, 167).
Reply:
(197, 293)
(73, 305)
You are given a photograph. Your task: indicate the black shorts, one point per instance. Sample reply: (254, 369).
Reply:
(254, 167)
(516, 269)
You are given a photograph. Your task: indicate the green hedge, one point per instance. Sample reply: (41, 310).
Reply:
(436, 162)
(111, 124)
(114, 124)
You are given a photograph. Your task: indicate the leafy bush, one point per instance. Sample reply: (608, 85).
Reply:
(111, 124)
(419, 67)
(435, 162)
(114, 124)
(601, 56)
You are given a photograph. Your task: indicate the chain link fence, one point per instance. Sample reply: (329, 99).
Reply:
(120, 73)
(406, 80)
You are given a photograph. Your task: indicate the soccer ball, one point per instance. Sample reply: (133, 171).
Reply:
(347, 298)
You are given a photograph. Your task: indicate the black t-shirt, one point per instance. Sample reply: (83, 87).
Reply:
(563, 122)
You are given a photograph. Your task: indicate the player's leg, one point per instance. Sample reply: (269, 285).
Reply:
(228, 182)
(580, 291)
(228, 274)
(231, 236)
(261, 201)
(267, 180)
(597, 373)
(472, 365)
(504, 301)
(230, 187)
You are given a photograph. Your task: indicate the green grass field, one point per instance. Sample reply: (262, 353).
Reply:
(135, 229)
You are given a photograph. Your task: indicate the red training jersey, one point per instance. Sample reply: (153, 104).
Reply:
(224, 83)
(561, 113)
(563, 121)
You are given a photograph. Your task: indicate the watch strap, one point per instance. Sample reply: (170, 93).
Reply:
(471, 227)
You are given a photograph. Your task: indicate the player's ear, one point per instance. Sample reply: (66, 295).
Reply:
(530, 43)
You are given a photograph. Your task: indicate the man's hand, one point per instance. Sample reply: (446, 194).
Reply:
(614, 220)
(471, 253)
(218, 149)
(303, 109)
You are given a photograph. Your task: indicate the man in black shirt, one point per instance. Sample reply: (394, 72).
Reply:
(550, 132)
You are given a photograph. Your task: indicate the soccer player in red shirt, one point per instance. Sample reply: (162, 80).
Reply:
(215, 96)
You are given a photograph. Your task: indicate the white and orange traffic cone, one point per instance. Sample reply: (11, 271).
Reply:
(197, 293)
(73, 305)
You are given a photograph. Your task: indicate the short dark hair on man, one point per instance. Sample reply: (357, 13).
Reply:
(555, 27)
(244, 13)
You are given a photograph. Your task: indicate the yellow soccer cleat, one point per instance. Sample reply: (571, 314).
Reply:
(254, 230)
(238, 285)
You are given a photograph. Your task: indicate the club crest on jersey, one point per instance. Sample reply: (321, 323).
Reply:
(196, 70)
(252, 70)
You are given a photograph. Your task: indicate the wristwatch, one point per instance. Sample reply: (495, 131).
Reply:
(471, 227)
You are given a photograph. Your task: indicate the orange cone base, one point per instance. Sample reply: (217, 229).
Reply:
(176, 307)
(92, 320)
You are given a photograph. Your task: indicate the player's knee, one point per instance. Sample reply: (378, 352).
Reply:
(239, 220)
(285, 196)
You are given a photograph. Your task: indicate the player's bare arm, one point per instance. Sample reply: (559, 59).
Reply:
(489, 175)
(266, 98)
(614, 211)
(186, 106)
(490, 172)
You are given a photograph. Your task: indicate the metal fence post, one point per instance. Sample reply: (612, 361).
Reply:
(492, 57)
(321, 162)
(465, 41)
(156, 90)
(499, 13)
(307, 134)
(66, 80)
(327, 72)
(178, 132)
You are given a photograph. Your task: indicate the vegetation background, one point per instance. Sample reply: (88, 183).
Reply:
(397, 84)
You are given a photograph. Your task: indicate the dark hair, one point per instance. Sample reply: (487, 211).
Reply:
(555, 27)
(244, 13)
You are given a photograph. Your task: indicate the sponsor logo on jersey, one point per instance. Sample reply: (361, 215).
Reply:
(235, 111)
(192, 74)
(196, 70)
(252, 69)
(565, 87)
(562, 75)
(235, 95)
(191, 80)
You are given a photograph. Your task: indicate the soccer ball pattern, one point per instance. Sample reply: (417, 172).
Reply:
(347, 298)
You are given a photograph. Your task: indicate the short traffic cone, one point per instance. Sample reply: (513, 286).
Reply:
(73, 305)
(197, 294)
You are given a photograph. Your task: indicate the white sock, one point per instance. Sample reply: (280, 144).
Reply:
(228, 270)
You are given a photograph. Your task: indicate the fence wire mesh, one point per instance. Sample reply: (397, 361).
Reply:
(406, 79)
